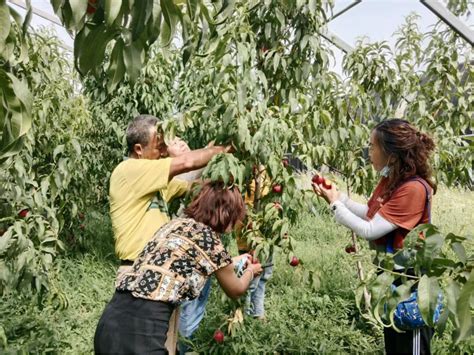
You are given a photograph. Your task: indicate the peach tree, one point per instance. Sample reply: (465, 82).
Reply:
(256, 74)
(15, 95)
(43, 190)
(263, 84)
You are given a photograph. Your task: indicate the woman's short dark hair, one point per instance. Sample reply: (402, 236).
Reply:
(138, 131)
(217, 206)
(409, 149)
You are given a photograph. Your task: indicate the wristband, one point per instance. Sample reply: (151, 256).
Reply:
(333, 206)
(250, 271)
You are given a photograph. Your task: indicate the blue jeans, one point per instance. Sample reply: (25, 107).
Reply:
(256, 293)
(191, 314)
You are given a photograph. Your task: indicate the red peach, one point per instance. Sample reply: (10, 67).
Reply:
(277, 188)
(219, 336)
(91, 6)
(294, 261)
(327, 184)
(317, 179)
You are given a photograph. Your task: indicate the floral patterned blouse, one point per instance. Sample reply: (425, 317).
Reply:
(175, 264)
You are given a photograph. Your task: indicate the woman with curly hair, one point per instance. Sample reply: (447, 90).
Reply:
(400, 202)
(172, 268)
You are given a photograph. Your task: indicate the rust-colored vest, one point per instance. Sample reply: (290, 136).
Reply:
(394, 239)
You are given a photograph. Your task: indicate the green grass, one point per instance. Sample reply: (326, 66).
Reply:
(81, 286)
(301, 317)
(453, 211)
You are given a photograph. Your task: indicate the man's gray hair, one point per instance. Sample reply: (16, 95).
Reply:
(138, 131)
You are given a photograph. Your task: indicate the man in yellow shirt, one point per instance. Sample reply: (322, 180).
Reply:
(142, 185)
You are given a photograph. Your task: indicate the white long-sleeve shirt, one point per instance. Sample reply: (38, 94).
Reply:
(353, 215)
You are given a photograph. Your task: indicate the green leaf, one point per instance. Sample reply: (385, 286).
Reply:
(76, 145)
(165, 34)
(212, 46)
(18, 100)
(464, 309)
(154, 25)
(5, 242)
(191, 6)
(428, 290)
(205, 12)
(379, 288)
(141, 12)
(268, 30)
(460, 251)
(78, 8)
(44, 187)
(58, 150)
(187, 52)
(116, 70)
(276, 61)
(379, 309)
(22, 93)
(28, 15)
(89, 48)
(11, 148)
(243, 133)
(56, 4)
(3, 336)
(133, 59)
(112, 9)
(172, 15)
(263, 79)
(5, 21)
(432, 247)
(280, 17)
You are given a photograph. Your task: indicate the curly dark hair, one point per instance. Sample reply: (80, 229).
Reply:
(217, 206)
(409, 149)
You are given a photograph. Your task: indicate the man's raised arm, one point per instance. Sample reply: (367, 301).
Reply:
(195, 159)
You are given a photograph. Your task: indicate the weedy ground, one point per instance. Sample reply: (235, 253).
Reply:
(301, 316)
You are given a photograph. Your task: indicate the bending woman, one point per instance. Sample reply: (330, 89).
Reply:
(401, 201)
(172, 268)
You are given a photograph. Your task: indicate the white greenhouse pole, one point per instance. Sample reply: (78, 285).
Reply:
(450, 19)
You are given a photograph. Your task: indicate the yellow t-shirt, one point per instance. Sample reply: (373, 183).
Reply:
(139, 195)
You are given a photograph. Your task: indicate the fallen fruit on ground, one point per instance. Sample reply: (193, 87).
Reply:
(294, 261)
(350, 249)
